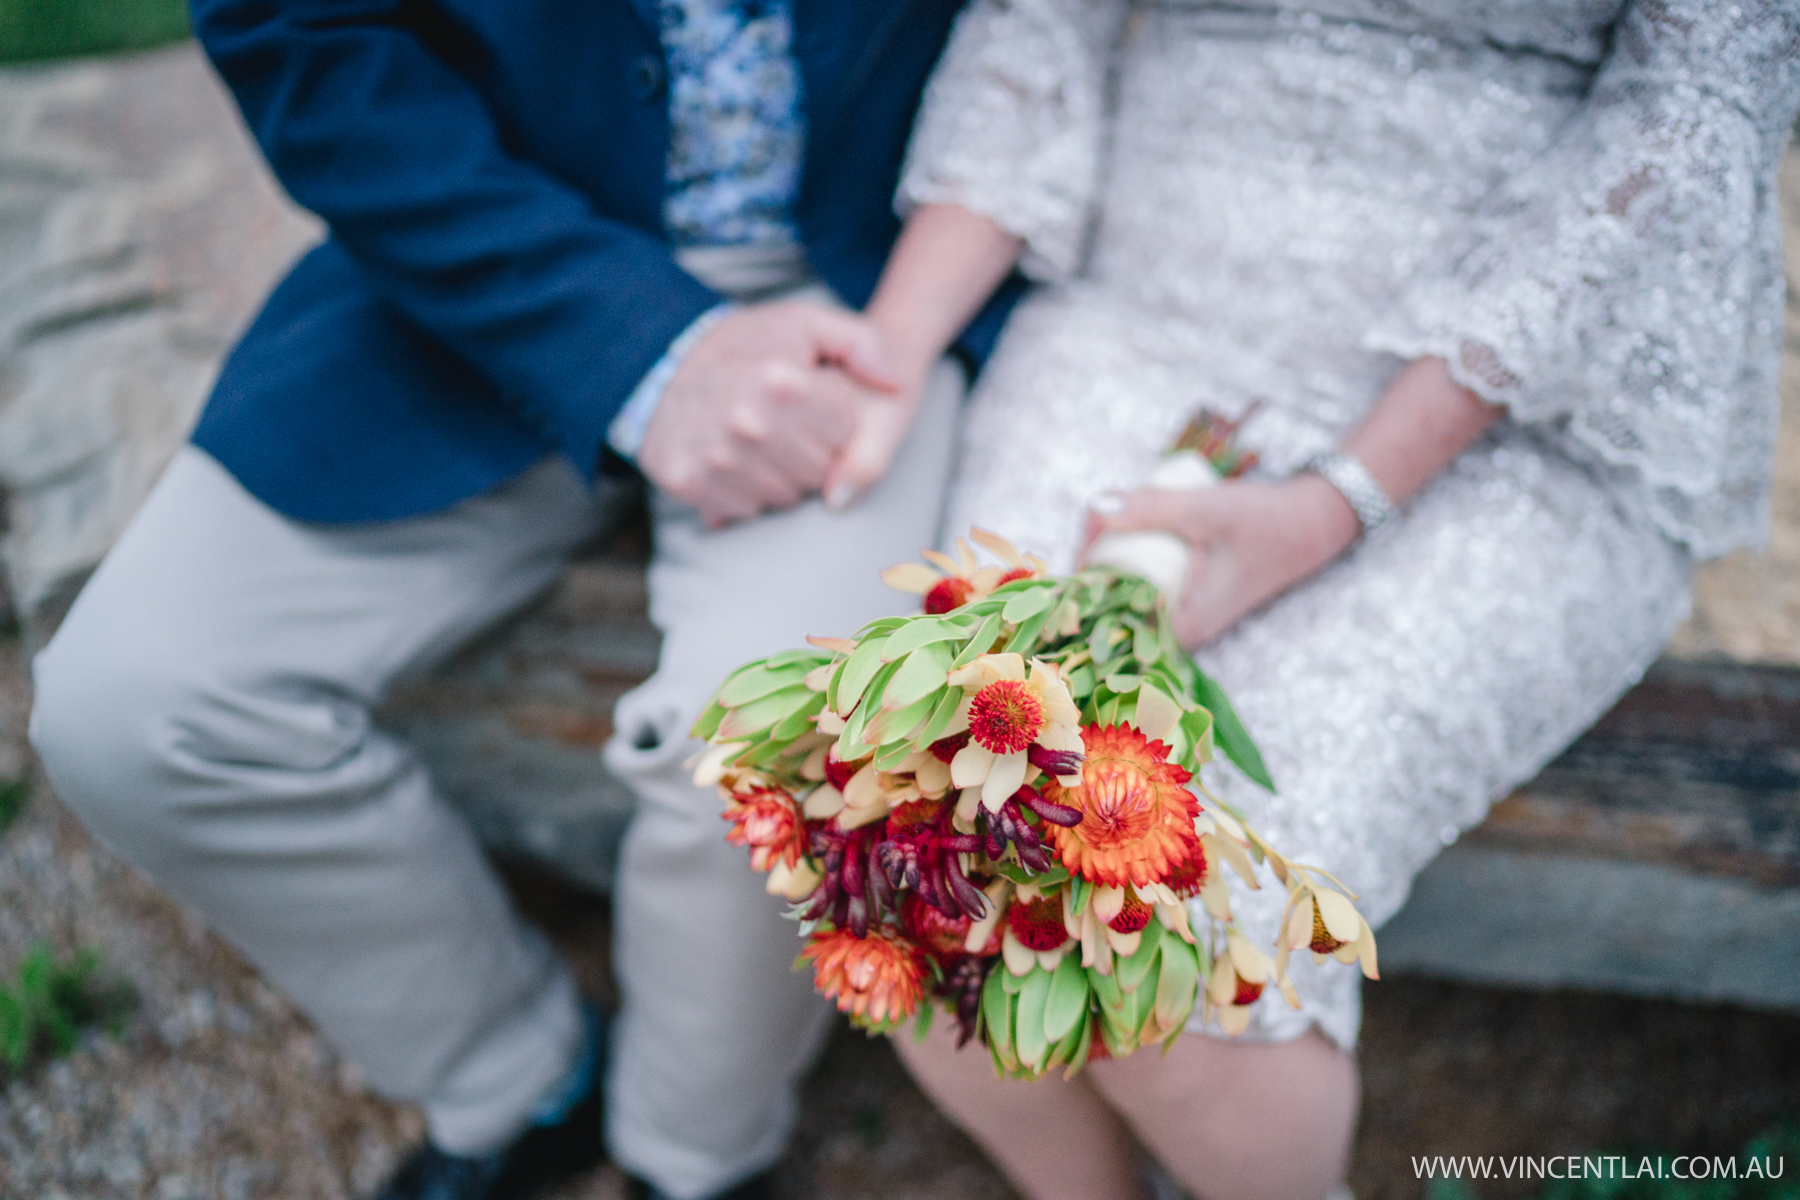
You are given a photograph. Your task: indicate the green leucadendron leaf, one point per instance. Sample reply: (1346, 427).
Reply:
(921, 675)
(1229, 732)
(923, 631)
(799, 721)
(850, 681)
(708, 724)
(1131, 972)
(996, 1013)
(1178, 984)
(1029, 1041)
(941, 716)
(1068, 999)
(1029, 603)
(979, 641)
(761, 713)
(1024, 639)
(758, 680)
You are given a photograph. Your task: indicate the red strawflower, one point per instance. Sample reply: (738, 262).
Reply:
(1005, 716)
(1038, 924)
(1189, 875)
(947, 594)
(1134, 916)
(944, 749)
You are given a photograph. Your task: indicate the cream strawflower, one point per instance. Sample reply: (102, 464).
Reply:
(956, 581)
(1113, 924)
(1237, 982)
(1011, 710)
(871, 795)
(1035, 934)
(1326, 923)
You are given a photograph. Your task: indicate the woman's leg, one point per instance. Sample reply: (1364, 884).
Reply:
(1240, 1120)
(1053, 1139)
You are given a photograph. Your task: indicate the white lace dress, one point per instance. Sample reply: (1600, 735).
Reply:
(1571, 201)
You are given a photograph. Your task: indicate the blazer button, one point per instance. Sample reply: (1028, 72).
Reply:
(647, 76)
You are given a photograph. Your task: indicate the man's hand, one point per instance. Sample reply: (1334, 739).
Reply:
(760, 407)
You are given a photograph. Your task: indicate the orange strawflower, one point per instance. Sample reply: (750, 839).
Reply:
(766, 820)
(878, 980)
(1137, 822)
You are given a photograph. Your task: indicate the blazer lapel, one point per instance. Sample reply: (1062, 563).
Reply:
(837, 44)
(648, 13)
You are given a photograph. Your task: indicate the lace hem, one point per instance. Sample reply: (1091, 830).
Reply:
(1710, 516)
(1011, 124)
(1052, 239)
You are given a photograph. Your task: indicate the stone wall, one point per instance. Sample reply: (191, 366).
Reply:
(139, 231)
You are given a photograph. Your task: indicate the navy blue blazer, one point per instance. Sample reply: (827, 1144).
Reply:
(496, 280)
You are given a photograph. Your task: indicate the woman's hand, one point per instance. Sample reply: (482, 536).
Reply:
(1249, 541)
(945, 265)
(882, 419)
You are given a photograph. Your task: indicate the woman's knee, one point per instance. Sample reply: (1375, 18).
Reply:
(1241, 1121)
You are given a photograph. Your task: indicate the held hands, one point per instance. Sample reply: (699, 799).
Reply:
(762, 406)
(1250, 541)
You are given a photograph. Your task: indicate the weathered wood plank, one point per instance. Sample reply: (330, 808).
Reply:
(1659, 855)
(1698, 768)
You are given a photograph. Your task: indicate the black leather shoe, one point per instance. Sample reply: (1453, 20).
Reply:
(537, 1160)
(757, 1187)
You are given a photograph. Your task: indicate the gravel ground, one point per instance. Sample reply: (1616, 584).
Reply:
(216, 1088)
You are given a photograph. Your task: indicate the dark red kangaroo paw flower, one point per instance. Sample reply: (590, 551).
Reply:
(880, 889)
(1054, 762)
(974, 905)
(1049, 810)
(852, 867)
(961, 985)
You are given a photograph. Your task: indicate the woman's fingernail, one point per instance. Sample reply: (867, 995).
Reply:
(1107, 504)
(839, 497)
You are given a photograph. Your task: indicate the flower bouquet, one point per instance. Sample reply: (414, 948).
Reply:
(994, 806)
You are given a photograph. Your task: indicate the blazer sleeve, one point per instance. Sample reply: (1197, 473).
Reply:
(1012, 124)
(1626, 286)
(561, 309)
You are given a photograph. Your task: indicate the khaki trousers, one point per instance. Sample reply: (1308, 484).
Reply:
(205, 709)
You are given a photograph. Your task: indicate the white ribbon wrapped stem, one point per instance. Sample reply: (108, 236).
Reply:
(1160, 557)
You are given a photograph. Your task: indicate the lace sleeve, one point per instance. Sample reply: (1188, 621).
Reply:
(1628, 285)
(1011, 124)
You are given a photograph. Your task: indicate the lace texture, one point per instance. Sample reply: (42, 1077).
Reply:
(1571, 201)
(1016, 116)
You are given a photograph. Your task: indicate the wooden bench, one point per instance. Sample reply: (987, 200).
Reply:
(1660, 855)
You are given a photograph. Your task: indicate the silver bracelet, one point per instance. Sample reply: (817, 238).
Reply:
(1354, 483)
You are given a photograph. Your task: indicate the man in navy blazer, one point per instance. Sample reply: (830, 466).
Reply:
(565, 235)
